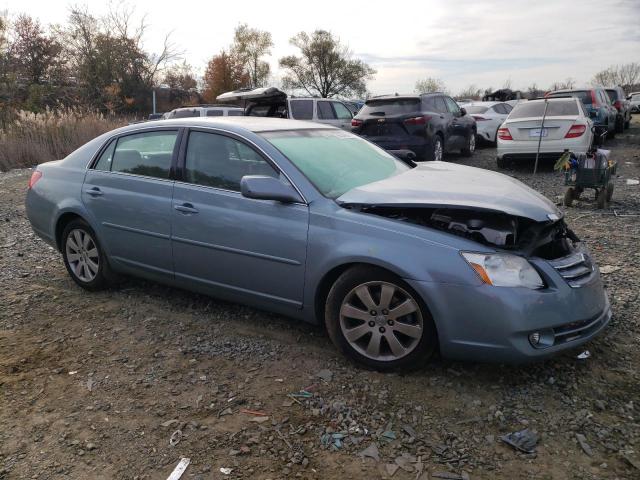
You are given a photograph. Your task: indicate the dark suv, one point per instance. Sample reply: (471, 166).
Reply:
(622, 105)
(428, 124)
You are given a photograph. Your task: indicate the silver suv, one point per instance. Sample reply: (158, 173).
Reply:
(271, 102)
(205, 111)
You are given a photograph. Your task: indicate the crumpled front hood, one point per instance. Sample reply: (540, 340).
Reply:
(447, 185)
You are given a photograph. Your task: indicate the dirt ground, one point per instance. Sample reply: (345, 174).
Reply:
(95, 385)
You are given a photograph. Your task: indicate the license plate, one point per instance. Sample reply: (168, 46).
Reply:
(538, 132)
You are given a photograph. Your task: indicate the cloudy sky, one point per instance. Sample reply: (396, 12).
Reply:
(463, 42)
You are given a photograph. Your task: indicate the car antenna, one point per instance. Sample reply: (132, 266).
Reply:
(544, 114)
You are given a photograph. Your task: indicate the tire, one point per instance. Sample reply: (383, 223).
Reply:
(610, 188)
(602, 198)
(470, 147)
(627, 124)
(611, 134)
(437, 148)
(84, 257)
(501, 162)
(619, 125)
(378, 339)
(569, 197)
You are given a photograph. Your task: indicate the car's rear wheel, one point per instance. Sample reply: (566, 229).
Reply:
(437, 149)
(376, 319)
(83, 256)
(627, 124)
(619, 125)
(470, 147)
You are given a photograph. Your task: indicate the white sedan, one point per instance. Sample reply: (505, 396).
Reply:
(489, 116)
(566, 127)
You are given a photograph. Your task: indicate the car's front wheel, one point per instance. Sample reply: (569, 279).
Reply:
(83, 256)
(437, 149)
(376, 319)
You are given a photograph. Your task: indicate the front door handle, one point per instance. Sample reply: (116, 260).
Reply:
(186, 208)
(94, 192)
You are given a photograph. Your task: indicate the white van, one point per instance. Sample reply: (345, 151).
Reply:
(205, 111)
(271, 102)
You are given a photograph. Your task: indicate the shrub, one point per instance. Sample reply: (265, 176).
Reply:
(34, 138)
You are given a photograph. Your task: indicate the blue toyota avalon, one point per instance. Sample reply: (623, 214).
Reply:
(398, 260)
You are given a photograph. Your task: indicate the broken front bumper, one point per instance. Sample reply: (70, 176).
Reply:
(493, 324)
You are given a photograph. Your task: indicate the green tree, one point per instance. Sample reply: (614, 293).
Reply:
(325, 67)
(249, 46)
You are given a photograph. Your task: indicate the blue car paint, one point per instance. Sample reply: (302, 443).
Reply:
(275, 256)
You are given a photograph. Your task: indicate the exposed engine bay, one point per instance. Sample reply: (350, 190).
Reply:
(549, 240)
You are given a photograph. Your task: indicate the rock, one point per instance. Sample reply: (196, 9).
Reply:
(607, 269)
(405, 462)
(259, 419)
(582, 440)
(391, 469)
(169, 423)
(371, 452)
(326, 375)
(523, 440)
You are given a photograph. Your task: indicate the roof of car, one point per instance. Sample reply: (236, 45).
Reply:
(237, 124)
(400, 96)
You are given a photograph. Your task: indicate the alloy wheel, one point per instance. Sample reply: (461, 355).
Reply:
(82, 255)
(437, 150)
(472, 143)
(381, 321)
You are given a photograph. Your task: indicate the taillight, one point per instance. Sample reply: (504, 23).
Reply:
(422, 120)
(35, 176)
(594, 100)
(618, 104)
(479, 118)
(356, 123)
(504, 134)
(575, 131)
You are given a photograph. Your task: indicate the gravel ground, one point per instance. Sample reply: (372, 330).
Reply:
(95, 385)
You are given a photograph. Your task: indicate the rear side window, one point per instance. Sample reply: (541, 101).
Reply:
(215, 113)
(186, 113)
(342, 112)
(556, 108)
(302, 109)
(325, 111)
(104, 162)
(218, 161)
(391, 106)
(235, 113)
(147, 154)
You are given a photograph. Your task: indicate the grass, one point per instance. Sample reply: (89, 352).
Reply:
(35, 138)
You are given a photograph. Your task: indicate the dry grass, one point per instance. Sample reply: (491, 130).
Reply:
(36, 138)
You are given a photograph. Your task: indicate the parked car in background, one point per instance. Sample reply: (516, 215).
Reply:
(271, 102)
(634, 100)
(429, 125)
(567, 126)
(622, 105)
(488, 116)
(155, 116)
(205, 111)
(464, 101)
(354, 105)
(597, 104)
(318, 224)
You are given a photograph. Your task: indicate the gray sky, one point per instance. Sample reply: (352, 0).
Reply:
(463, 42)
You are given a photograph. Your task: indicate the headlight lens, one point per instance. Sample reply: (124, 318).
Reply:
(504, 270)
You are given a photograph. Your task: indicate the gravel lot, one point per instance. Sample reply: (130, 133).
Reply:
(96, 385)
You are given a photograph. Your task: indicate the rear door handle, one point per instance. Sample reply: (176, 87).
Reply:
(94, 191)
(186, 208)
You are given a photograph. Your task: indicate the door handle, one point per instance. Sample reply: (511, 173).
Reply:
(94, 192)
(186, 208)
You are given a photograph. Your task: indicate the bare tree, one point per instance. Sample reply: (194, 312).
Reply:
(567, 84)
(471, 92)
(325, 67)
(430, 84)
(626, 76)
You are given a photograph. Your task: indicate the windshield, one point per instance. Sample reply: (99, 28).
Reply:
(557, 108)
(335, 161)
(391, 107)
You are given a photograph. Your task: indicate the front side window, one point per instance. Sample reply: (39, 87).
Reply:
(147, 153)
(302, 109)
(219, 161)
(452, 105)
(441, 106)
(325, 111)
(333, 160)
(342, 112)
(235, 113)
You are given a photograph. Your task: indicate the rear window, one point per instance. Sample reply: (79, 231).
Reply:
(557, 108)
(302, 109)
(584, 95)
(613, 95)
(391, 107)
(476, 109)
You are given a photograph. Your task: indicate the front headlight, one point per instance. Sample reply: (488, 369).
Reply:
(504, 270)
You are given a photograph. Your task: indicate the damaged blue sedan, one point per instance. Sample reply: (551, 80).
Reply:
(398, 261)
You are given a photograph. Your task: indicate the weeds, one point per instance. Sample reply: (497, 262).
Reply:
(34, 138)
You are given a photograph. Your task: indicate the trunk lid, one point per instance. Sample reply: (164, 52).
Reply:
(447, 185)
(527, 129)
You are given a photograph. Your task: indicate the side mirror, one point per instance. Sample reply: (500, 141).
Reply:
(463, 111)
(261, 187)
